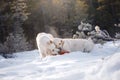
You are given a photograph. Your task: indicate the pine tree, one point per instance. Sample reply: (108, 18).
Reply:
(105, 13)
(16, 40)
(4, 20)
(16, 43)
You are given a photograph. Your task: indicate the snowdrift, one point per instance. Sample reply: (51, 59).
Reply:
(102, 63)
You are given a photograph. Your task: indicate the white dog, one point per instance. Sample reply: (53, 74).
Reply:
(45, 44)
(71, 45)
(88, 45)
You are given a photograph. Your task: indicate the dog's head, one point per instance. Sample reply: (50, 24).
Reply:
(58, 43)
(52, 48)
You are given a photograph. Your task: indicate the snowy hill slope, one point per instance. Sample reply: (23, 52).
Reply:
(101, 64)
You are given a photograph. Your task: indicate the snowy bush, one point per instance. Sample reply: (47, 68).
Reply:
(83, 30)
(117, 25)
(101, 33)
(85, 27)
(16, 43)
(98, 35)
(4, 50)
(117, 35)
(79, 35)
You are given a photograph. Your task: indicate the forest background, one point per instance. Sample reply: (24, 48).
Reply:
(22, 20)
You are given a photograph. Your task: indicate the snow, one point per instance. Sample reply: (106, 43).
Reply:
(102, 63)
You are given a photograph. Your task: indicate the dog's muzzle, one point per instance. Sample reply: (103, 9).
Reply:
(60, 49)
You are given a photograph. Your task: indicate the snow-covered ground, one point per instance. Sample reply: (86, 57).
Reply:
(103, 63)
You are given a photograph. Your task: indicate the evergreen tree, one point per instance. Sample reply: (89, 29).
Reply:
(4, 20)
(16, 40)
(16, 43)
(105, 13)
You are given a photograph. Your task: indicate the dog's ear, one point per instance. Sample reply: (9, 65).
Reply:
(50, 42)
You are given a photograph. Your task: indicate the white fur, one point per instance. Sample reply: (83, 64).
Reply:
(74, 44)
(45, 44)
(88, 45)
